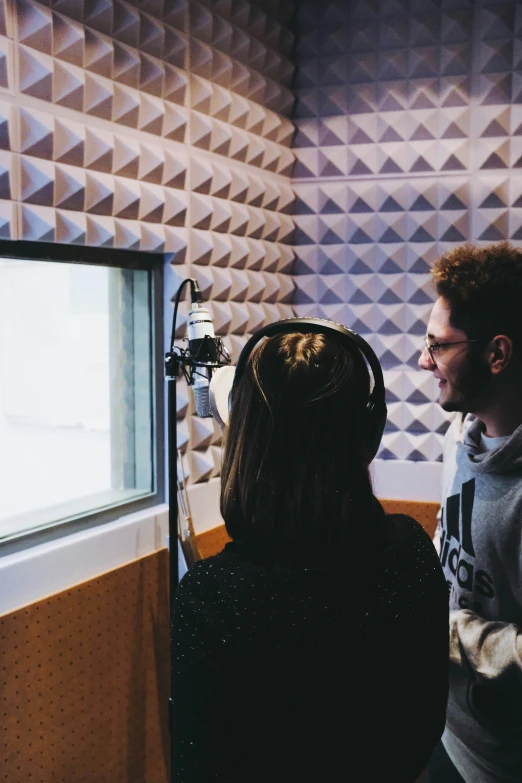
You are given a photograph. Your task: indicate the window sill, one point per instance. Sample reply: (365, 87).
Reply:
(38, 571)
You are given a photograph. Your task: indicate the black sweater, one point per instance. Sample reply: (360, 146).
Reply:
(294, 673)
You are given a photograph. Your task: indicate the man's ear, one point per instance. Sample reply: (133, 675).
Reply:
(500, 353)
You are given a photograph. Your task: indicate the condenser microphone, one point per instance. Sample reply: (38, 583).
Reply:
(207, 352)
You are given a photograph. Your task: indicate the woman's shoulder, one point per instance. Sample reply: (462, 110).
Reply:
(203, 573)
(395, 528)
(402, 527)
(406, 542)
(408, 574)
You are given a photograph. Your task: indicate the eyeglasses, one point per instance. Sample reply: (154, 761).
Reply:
(435, 349)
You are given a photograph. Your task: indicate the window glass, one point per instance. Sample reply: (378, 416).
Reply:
(76, 381)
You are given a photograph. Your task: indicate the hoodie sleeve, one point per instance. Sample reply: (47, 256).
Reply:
(492, 650)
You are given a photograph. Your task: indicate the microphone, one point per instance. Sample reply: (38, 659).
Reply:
(206, 351)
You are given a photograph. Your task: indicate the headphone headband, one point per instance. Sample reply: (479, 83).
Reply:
(318, 325)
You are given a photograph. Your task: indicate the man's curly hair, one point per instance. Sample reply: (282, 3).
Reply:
(483, 286)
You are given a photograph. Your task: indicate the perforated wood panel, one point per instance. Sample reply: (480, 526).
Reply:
(212, 541)
(85, 682)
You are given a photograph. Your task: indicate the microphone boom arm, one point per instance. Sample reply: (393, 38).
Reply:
(176, 359)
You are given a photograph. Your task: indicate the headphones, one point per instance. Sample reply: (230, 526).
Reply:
(225, 380)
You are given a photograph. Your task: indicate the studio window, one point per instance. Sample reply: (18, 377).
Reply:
(80, 385)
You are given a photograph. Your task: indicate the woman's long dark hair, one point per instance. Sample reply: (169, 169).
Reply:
(295, 466)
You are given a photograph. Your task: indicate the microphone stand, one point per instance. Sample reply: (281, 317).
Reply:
(171, 374)
(176, 360)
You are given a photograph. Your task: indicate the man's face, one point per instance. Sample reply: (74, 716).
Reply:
(464, 378)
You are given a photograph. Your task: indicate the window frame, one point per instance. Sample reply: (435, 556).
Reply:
(111, 258)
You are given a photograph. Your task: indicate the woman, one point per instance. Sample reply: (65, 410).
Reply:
(314, 647)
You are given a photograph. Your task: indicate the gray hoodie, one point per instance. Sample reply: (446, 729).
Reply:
(480, 543)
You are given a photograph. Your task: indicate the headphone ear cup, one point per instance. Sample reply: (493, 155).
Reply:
(376, 422)
(219, 393)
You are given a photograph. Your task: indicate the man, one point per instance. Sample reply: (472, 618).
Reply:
(473, 347)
